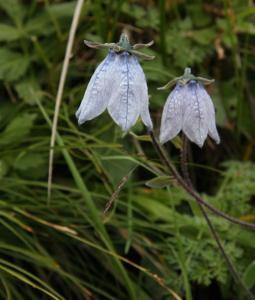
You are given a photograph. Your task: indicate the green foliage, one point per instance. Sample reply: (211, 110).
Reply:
(249, 275)
(205, 263)
(17, 129)
(153, 238)
(12, 65)
(238, 183)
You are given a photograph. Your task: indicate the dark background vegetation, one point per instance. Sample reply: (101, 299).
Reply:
(152, 239)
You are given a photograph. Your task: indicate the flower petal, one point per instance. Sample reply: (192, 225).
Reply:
(98, 91)
(195, 122)
(142, 93)
(210, 114)
(145, 113)
(124, 105)
(171, 122)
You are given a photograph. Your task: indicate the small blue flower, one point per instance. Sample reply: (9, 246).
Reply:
(189, 108)
(118, 85)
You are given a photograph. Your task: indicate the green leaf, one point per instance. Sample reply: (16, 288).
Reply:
(14, 9)
(249, 276)
(31, 165)
(144, 138)
(62, 10)
(12, 64)
(29, 90)
(117, 169)
(39, 25)
(3, 168)
(177, 141)
(7, 111)
(43, 23)
(17, 129)
(159, 182)
(204, 36)
(8, 33)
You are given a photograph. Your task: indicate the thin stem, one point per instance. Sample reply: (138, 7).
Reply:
(232, 269)
(189, 190)
(62, 80)
(184, 161)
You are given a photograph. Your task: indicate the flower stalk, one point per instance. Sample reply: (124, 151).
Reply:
(167, 163)
(231, 266)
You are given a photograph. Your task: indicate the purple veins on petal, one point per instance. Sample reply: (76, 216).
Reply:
(130, 95)
(98, 91)
(212, 130)
(195, 118)
(171, 122)
(122, 106)
(189, 108)
(118, 84)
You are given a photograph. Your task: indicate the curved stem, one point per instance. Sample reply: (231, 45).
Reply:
(184, 161)
(189, 190)
(231, 266)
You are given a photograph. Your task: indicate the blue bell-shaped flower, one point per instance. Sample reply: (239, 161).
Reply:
(189, 108)
(118, 85)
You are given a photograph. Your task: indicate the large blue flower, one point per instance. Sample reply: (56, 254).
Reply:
(189, 108)
(118, 84)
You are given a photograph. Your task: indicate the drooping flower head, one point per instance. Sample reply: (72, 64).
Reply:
(189, 108)
(119, 85)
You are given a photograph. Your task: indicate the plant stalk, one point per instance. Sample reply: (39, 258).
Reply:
(189, 190)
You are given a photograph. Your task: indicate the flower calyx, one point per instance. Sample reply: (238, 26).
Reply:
(186, 78)
(122, 46)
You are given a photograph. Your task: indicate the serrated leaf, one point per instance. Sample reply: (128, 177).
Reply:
(159, 182)
(17, 129)
(12, 64)
(9, 33)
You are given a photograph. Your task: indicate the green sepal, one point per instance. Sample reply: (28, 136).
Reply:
(185, 78)
(96, 45)
(141, 55)
(121, 46)
(169, 84)
(140, 46)
(204, 81)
